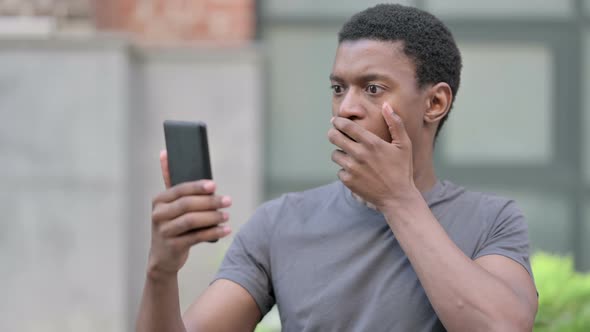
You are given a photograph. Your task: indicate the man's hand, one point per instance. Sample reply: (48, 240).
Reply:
(378, 171)
(183, 216)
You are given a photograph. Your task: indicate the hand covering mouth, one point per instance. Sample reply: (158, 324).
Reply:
(350, 138)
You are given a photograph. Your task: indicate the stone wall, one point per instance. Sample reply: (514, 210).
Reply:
(79, 142)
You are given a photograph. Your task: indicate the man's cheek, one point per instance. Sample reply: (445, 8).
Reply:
(383, 132)
(335, 108)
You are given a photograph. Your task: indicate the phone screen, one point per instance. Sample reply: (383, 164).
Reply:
(188, 151)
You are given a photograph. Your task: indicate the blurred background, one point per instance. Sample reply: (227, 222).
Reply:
(85, 86)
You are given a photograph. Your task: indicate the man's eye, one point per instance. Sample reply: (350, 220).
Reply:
(337, 89)
(372, 88)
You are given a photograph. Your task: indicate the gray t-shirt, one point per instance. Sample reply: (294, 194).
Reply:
(330, 263)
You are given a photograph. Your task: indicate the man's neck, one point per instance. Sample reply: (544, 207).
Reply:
(424, 174)
(425, 179)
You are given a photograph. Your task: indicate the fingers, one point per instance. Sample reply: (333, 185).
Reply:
(339, 139)
(207, 235)
(201, 187)
(165, 169)
(194, 221)
(351, 137)
(344, 176)
(345, 144)
(348, 129)
(181, 244)
(188, 204)
(341, 159)
(397, 130)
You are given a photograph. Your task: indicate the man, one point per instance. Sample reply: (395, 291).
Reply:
(388, 247)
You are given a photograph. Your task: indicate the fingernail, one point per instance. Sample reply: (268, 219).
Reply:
(209, 185)
(226, 201)
(226, 230)
(332, 120)
(225, 216)
(389, 108)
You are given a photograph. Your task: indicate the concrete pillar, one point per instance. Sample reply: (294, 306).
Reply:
(80, 134)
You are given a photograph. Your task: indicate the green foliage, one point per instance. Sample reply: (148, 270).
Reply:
(271, 322)
(263, 328)
(564, 295)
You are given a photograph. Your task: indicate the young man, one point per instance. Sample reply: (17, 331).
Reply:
(388, 247)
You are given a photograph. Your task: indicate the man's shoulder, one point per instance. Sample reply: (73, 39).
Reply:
(312, 196)
(475, 219)
(290, 209)
(489, 203)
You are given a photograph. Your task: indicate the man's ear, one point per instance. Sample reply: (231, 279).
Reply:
(440, 97)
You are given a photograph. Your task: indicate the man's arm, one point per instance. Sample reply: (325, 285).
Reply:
(183, 216)
(160, 307)
(224, 306)
(492, 293)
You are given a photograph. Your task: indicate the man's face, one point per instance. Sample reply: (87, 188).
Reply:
(368, 73)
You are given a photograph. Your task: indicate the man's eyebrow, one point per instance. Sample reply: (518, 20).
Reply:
(363, 78)
(373, 77)
(335, 78)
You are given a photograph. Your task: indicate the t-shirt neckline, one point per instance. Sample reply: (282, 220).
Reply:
(429, 195)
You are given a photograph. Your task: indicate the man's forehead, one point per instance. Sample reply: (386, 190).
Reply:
(370, 56)
(370, 47)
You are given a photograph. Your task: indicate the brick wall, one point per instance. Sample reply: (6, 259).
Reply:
(225, 21)
(154, 21)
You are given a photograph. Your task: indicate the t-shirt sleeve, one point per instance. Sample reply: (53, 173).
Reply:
(247, 261)
(508, 236)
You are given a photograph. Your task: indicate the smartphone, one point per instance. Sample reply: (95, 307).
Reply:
(188, 151)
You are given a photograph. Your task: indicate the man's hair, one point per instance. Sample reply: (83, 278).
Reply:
(426, 41)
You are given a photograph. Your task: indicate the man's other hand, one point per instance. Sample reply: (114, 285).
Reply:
(376, 170)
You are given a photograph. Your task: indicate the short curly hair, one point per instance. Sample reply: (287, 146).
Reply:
(426, 40)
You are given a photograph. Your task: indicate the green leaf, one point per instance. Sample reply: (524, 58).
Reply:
(564, 294)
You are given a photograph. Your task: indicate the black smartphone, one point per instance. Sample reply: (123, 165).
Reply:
(188, 151)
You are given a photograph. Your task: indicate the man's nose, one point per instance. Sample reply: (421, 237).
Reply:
(351, 106)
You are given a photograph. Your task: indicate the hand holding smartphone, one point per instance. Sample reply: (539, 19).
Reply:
(188, 152)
